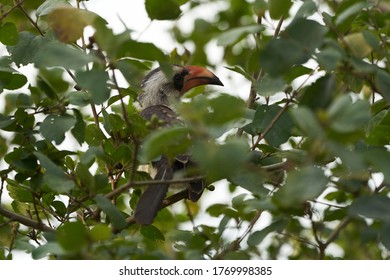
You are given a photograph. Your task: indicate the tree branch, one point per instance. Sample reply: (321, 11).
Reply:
(271, 124)
(25, 220)
(235, 245)
(131, 184)
(167, 202)
(16, 5)
(343, 223)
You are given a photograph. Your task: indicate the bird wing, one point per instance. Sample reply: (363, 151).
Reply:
(164, 113)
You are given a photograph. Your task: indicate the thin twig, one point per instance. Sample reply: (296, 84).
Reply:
(17, 5)
(332, 237)
(167, 202)
(124, 111)
(271, 124)
(131, 184)
(235, 245)
(31, 20)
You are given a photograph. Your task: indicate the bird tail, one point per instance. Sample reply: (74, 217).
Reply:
(151, 199)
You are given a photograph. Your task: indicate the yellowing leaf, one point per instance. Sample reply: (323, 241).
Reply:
(358, 44)
(68, 23)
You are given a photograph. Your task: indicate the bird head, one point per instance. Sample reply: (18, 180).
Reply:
(159, 89)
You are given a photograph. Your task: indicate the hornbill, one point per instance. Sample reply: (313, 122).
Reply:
(158, 93)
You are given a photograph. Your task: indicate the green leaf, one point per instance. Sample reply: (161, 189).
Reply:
(168, 10)
(94, 136)
(78, 131)
(379, 157)
(48, 6)
(22, 159)
(46, 53)
(18, 192)
(140, 50)
(54, 127)
(268, 86)
(72, 236)
(8, 34)
(11, 79)
(347, 116)
(258, 236)
(241, 71)
(59, 184)
(170, 141)
(351, 11)
(307, 9)
(113, 123)
(319, 95)
(281, 130)
(234, 35)
(211, 113)
(378, 130)
(216, 160)
(57, 54)
(78, 98)
(358, 44)
(24, 51)
(95, 82)
(59, 207)
(100, 232)
(251, 180)
(68, 23)
(382, 82)
(219, 115)
(329, 58)
(279, 8)
(307, 121)
(301, 185)
(50, 248)
(385, 237)
(216, 210)
(54, 177)
(114, 214)
(89, 156)
(152, 233)
(295, 46)
(85, 177)
(286, 53)
(375, 206)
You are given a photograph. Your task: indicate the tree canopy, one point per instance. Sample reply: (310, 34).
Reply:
(304, 154)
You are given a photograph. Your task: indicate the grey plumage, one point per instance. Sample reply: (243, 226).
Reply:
(158, 93)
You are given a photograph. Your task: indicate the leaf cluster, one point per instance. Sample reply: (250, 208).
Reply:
(304, 159)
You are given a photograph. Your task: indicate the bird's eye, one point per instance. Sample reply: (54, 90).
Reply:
(178, 80)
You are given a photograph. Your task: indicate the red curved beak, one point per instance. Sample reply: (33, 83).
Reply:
(199, 76)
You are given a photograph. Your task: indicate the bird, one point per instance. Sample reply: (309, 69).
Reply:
(158, 94)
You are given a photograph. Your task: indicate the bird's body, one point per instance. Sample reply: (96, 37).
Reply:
(157, 96)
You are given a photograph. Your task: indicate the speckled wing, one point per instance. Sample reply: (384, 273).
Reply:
(164, 113)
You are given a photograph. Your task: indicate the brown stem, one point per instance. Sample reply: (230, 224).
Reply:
(31, 20)
(131, 184)
(271, 124)
(25, 220)
(167, 202)
(235, 245)
(17, 5)
(332, 237)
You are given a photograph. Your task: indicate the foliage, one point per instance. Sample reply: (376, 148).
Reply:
(304, 157)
